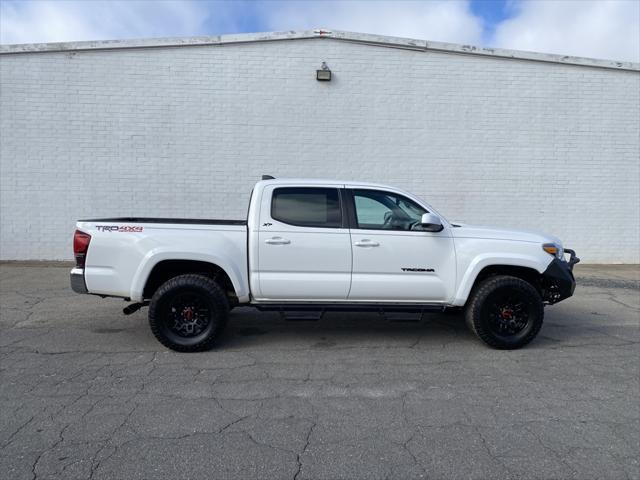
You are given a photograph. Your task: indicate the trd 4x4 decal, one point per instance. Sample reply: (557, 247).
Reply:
(119, 228)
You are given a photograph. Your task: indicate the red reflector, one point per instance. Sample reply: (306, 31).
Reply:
(80, 246)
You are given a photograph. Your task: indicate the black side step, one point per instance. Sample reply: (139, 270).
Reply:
(402, 317)
(305, 316)
(348, 307)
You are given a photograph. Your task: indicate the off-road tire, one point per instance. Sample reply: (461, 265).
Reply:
(206, 294)
(487, 295)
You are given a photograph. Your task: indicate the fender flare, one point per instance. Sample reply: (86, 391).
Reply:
(493, 259)
(157, 255)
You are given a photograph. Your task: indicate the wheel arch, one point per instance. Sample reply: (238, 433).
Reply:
(528, 274)
(525, 268)
(167, 269)
(162, 266)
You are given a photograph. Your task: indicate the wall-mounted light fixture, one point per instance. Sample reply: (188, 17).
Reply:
(324, 74)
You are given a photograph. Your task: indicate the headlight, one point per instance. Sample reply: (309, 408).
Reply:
(554, 249)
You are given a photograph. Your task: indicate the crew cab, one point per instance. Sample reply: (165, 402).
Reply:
(322, 245)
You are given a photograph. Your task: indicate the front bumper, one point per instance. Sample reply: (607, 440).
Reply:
(78, 284)
(558, 282)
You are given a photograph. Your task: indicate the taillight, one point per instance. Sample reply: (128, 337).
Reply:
(80, 246)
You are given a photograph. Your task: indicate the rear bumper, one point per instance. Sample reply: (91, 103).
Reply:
(78, 284)
(558, 282)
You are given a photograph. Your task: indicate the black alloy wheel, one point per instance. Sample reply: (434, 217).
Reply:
(505, 312)
(508, 312)
(188, 312)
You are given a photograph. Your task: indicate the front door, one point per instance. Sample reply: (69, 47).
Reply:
(393, 259)
(304, 250)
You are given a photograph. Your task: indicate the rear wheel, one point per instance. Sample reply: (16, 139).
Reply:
(188, 312)
(505, 312)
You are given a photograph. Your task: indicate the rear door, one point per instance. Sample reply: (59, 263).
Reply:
(304, 246)
(393, 259)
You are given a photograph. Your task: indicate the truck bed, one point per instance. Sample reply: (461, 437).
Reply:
(124, 250)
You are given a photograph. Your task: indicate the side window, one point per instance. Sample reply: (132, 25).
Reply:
(307, 207)
(370, 212)
(378, 210)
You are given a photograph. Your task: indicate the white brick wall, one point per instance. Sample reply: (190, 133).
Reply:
(185, 132)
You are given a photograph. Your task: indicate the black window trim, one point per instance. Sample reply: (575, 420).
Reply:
(341, 206)
(350, 209)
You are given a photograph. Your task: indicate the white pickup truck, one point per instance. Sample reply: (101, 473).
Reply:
(322, 245)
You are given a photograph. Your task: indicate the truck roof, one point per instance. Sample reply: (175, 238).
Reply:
(319, 181)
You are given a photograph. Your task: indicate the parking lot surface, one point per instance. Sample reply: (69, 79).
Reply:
(87, 392)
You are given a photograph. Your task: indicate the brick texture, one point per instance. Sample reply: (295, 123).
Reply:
(185, 131)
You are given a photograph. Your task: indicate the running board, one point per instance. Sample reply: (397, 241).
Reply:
(304, 316)
(348, 307)
(402, 317)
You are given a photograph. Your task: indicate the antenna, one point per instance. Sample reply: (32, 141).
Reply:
(268, 177)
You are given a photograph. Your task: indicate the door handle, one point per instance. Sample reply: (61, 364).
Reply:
(277, 241)
(366, 243)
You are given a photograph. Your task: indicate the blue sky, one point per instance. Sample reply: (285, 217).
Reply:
(493, 12)
(591, 28)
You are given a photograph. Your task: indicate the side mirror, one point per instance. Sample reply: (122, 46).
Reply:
(431, 223)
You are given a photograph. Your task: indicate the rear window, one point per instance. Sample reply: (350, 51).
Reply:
(307, 207)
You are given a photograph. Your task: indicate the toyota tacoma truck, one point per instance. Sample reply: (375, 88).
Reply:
(315, 245)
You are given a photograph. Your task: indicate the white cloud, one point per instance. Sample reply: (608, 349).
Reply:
(601, 29)
(62, 21)
(591, 28)
(439, 20)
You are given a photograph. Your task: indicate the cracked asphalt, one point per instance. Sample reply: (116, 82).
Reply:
(88, 393)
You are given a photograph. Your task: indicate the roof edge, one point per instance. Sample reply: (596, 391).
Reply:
(364, 38)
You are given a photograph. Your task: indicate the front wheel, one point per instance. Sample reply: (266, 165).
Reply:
(505, 312)
(188, 312)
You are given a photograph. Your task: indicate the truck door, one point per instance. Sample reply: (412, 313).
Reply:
(304, 247)
(393, 260)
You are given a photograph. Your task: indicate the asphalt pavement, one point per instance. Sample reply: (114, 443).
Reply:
(88, 393)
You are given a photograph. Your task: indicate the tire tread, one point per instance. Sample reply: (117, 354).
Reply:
(200, 282)
(479, 295)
